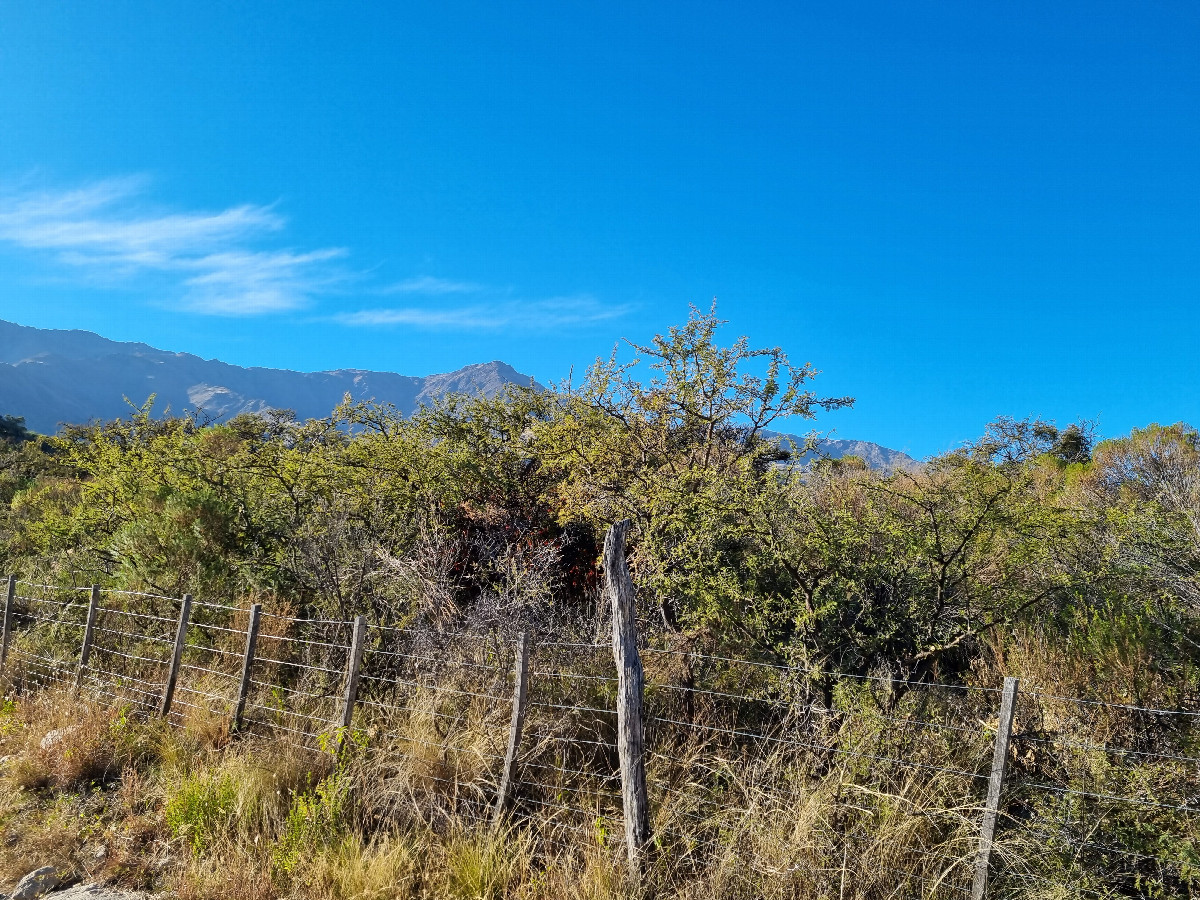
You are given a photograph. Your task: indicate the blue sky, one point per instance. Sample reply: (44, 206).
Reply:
(955, 210)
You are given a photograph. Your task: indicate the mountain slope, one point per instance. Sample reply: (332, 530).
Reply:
(52, 377)
(876, 456)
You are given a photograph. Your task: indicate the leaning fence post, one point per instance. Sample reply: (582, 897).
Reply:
(88, 632)
(618, 585)
(9, 600)
(987, 829)
(185, 612)
(520, 697)
(352, 666)
(247, 662)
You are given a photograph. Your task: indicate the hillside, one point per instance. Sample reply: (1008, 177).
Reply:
(53, 377)
(877, 457)
(808, 686)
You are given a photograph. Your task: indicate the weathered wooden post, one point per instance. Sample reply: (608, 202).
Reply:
(9, 600)
(88, 632)
(520, 699)
(185, 613)
(987, 829)
(247, 661)
(357, 645)
(618, 586)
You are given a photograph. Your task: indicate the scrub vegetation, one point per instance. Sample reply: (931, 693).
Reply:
(1035, 551)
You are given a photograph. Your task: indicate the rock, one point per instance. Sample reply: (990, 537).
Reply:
(90, 892)
(95, 892)
(38, 882)
(55, 737)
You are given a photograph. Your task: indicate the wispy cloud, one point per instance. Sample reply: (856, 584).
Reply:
(533, 315)
(213, 261)
(231, 262)
(432, 286)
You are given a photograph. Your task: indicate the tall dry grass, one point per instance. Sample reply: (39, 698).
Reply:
(764, 782)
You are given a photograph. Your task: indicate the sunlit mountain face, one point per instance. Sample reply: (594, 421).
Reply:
(53, 377)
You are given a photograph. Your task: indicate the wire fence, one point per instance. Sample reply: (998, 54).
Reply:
(755, 772)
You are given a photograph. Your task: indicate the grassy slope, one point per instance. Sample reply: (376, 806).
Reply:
(143, 804)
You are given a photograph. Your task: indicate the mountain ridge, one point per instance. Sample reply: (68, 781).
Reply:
(58, 376)
(52, 377)
(876, 456)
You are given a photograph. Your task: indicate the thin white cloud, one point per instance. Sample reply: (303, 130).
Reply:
(212, 260)
(230, 263)
(426, 284)
(535, 315)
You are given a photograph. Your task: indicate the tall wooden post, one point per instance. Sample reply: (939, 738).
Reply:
(185, 613)
(987, 829)
(520, 700)
(6, 633)
(357, 644)
(247, 661)
(618, 586)
(89, 627)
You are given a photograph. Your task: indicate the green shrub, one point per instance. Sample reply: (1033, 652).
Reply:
(200, 808)
(315, 820)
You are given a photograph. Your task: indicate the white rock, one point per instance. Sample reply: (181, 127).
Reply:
(94, 892)
(38, 882)
(55, 737)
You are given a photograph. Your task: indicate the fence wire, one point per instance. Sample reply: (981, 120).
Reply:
(757, 772)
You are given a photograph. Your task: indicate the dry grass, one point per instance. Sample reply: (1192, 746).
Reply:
(357, 870)
(405, 811)
(226, 873)
(60, 742)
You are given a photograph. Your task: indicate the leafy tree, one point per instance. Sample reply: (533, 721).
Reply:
(907, 573)
(13, 431)
(1147, 488)
(684, 454)
(23, 460)
(491, 510)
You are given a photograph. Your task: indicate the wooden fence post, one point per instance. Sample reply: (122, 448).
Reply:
(247, 662)
(618, 585)
(357, 646)
(88, 633)
(520, 698)
(10, 599)
(987, 829)
(185, 612)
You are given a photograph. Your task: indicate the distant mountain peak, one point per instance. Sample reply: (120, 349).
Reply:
(54, 376)
(882, 459)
